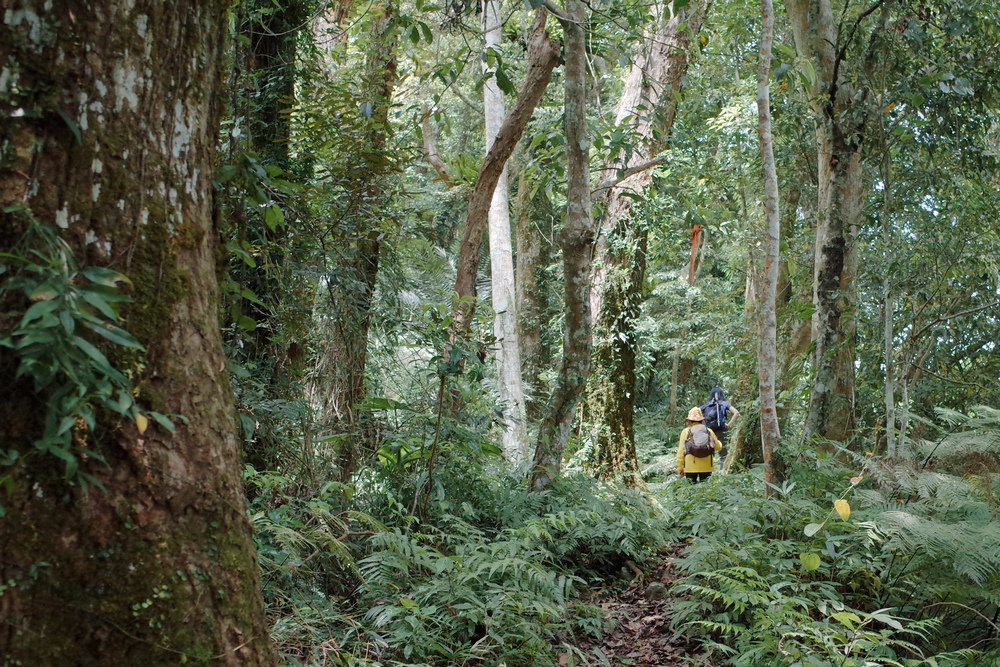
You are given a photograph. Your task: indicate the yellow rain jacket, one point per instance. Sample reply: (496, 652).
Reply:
(689, 463)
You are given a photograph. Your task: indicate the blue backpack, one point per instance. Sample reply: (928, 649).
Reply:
(715, 413)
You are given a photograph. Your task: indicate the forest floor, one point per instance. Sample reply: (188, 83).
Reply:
(638, 632)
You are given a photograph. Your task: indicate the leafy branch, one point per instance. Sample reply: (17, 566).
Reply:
(53, 341)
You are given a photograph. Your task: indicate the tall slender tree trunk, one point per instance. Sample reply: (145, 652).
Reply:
(648, 105)
(350, 289)
(152, 562)
(508, 351)
(534, 253)
(576, 239)
(888, 357)
(264, 89)
(768, 321)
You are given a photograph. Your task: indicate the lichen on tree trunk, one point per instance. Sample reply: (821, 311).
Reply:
(576, 239)
(767, 311)
(839, 104)
(155, 564)
(508, 350)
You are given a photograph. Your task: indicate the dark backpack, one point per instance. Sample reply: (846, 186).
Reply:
(715, 413)
(699, 442)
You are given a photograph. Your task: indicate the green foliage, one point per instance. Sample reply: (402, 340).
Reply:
(436, 555)
(784, 580)
(64, 308)
(452, 595)
(491, 576)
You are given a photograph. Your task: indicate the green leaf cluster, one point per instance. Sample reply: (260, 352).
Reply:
(59, 312)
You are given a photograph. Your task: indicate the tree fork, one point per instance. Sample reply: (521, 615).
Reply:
(648, 105)
(543, 56)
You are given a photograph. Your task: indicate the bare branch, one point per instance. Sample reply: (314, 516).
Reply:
(630, 172)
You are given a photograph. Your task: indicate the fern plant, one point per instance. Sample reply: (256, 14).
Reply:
(908, 579)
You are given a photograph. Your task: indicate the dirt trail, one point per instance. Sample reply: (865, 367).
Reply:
(639, 633)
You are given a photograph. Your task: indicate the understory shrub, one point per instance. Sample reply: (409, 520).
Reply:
(491, 575)
(907, 576)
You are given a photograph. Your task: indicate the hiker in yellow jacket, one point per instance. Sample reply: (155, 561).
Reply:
(696, 468)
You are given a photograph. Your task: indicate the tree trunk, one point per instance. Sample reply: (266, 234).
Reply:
(576, 239)
(508, 351)
(351, 287)
(611, 392)
(768, 322)
(543, 55)
(794, 331)
(648, 105)
(263, 92)
(887, 301)
(534, 253)
(271, 37)
(840, 113)
(151, 562)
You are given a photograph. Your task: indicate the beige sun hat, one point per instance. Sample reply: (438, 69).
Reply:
(694, 415)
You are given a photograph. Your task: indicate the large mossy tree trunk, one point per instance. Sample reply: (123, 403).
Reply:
(840, 110)
(109, 137)
(647, 106)
(349, 292)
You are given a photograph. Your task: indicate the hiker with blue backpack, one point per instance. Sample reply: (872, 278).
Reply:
(698, 444)
(719, 416)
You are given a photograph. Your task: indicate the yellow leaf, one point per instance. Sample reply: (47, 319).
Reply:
(843, 508)
(141, 422)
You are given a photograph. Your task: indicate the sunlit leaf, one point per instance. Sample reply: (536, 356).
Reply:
(810, 561)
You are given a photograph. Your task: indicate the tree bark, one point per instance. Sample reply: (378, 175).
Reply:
(543, 55)
(795, 330)
(431, 149)
(576, 239)
(840, 113)
(888, 358)
(767, 353)
(534, 253)
(271, 37)
(648, 106)
(264, 91)
(508, 350)
(153, 562)
(351, 286)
